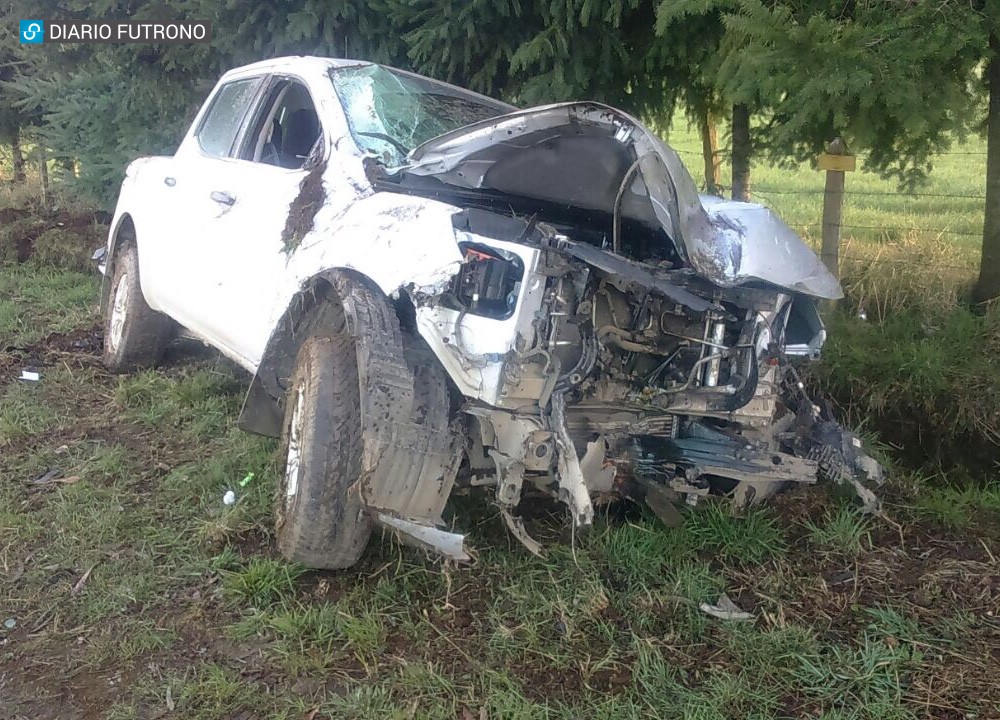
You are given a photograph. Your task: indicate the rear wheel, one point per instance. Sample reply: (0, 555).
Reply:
(135, 335)
(320, 516)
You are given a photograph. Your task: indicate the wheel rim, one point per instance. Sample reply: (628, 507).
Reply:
(292, 461)
(118, 310)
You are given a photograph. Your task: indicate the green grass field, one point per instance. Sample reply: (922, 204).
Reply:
(129, 590)
(948, 209)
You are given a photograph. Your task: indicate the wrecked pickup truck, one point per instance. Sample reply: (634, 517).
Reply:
(432, 288)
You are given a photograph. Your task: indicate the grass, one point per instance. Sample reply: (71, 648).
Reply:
(64, 298)
(137, 592)
(929, 380)
(957, 508)
(22, 417)
(845, 531)
(610, 628)
(950, 205)
(261, 582)
(753, 538)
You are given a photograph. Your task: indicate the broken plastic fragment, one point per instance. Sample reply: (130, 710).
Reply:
(725, 609)
(30, 375)
(516, 527)
(572, 486)
(450, 545)
(661, 501)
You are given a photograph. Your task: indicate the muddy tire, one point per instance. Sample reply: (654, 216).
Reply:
(320, 516)
(135, 335)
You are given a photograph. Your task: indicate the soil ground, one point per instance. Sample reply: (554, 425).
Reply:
(131, 591)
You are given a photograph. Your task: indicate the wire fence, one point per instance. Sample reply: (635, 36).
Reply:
(980, 153)
(876, 193)
(896, 228)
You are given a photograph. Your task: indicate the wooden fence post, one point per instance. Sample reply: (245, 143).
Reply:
(836, 161)
(43, 176)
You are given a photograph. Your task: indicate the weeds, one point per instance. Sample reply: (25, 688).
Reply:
(845, 531)
(23, 417)
(752, 537)
(869, 677)
(957, 508)
(36, 302)
(906, 275)
(262, 582)
(215, 691)
(932, 382)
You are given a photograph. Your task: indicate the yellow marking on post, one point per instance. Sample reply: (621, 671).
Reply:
(841, 163)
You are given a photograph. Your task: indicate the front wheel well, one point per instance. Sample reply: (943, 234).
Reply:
(324, 303)
(123, 235)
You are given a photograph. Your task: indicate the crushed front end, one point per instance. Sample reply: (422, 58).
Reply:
(645, 383)
(611, 333)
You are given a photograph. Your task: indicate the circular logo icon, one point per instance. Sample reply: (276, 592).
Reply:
(32, 31)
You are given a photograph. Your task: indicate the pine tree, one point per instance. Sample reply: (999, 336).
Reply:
(897, 80)
(100, 106)
(14, 120)
(692, 36)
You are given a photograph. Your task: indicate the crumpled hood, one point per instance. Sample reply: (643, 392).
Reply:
(571, 154)
(749, 241)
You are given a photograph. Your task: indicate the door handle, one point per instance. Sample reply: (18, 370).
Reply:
(169, 181)
(223, 197)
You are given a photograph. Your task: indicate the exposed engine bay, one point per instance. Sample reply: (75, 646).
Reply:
(534, 299)
(629, 371)
(695, 393)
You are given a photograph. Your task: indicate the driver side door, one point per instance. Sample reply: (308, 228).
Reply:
(185, 187)
(241, 245)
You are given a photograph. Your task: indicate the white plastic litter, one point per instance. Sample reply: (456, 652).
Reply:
(30, 375)
(726, 609)
(229, 498)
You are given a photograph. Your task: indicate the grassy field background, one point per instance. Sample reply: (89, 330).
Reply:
(129, 590)
(947, 209)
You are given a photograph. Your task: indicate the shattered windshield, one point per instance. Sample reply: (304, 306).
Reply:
(391, 112)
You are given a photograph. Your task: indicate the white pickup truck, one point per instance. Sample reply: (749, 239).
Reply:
(431, 287)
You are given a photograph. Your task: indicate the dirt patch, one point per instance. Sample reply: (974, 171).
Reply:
(84, 345)
(66, 247)
(9, 214)
(944, 583)
(803, 502)
(63, 239)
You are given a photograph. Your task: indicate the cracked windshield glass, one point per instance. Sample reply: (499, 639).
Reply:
(390, 112)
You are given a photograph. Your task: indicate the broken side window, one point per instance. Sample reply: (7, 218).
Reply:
(222, 122)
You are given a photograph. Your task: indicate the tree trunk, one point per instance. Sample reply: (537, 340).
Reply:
(741, 153)
(710, 151)
(15, 151)
(988, 285)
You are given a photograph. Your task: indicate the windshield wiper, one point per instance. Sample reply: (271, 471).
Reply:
(389, 139)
